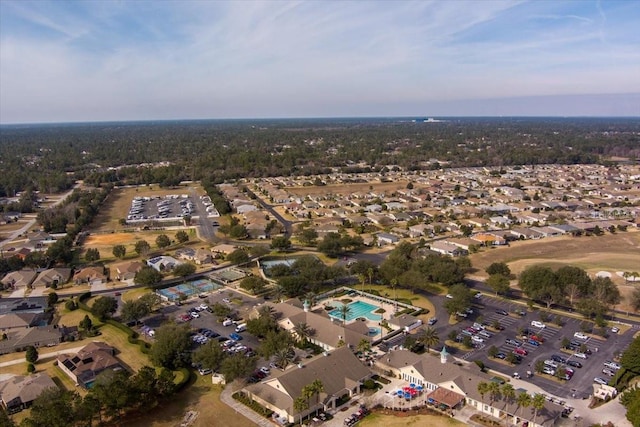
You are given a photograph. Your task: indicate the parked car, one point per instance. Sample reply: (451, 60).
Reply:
(548, 370)
(501, 356)
(521, 351)
(580, 336)
(503, 312)
(574, 363)
(512, 341)
(581, 356)
(432, 321)
(537, 324)
(478, 295)
(608, 371)
(551, 363)
(559, 359)
(485, 334)
(533, 342)
(600, 381)
(612, 365)
(477, 339)
(615, 330)
(449, 296)
(235, 337)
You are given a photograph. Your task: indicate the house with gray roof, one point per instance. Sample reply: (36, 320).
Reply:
(51, 276)
(18, 392)
(18, 279)
(20, 338)
(339, 371)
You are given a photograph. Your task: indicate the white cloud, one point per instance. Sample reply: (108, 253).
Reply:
(231, 59)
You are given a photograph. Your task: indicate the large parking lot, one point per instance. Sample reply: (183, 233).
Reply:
(158, 208)
(488, 310)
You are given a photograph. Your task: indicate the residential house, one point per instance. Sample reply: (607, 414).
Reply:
(90, 275)
(445, 248)
(18, 279)
(126, 271)
(163, 263)
(339, 371)
(39, 336)
(223, 249)
(89, 362)
(52, 276)
(18, 392)
(387, 239)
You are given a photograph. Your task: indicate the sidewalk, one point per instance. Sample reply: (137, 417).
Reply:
(42, 356)
(226, 398)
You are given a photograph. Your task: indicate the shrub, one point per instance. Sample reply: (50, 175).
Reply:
(369, 384)
(71, 305)
(31, 368)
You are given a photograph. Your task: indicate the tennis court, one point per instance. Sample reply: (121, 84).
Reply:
(229, 275)
(188, 289)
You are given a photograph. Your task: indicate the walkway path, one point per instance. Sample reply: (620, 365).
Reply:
(42, 356)
(226, 398)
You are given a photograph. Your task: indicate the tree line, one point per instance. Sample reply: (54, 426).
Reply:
(50, 158)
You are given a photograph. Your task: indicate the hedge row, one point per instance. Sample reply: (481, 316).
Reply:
(186, 376)
(255, 406)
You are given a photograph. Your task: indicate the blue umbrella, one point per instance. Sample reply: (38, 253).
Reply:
(420, 388)
(399, 392)
(412, 385)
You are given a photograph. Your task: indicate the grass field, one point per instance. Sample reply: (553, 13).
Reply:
(374, 420)
(610, 252)
(202, 397)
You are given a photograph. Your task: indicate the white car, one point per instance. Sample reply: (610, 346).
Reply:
(611, 365)
(580, 336)
(449, 296)
(194, 315)
(581, 356)
(478, 295)
(477, 339)
(615, 330)
(600, 381)
(537, 324)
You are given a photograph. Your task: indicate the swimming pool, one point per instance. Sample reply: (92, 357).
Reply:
(357, 309)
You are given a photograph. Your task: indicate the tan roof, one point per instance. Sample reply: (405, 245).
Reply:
(17, 320)
(51, 275)
(24, 389)
(19, 279)
(448, 397)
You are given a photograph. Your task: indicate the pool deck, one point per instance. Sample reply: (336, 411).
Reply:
(389, 308)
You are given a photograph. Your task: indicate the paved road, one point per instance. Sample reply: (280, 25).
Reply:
(31, 222)
(206, 230)
(288, 225)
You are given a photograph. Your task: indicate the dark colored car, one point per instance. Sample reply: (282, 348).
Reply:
(501, 356)
(503, 312)
(574, 363)
(512, 341)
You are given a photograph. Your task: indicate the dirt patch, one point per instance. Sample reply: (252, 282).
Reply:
(111, 239)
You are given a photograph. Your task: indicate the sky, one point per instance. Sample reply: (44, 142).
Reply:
(105, 60)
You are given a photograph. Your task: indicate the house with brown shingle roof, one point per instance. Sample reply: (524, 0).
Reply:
(39, 336)
(91, 275)
(57, 276)
(89, 362)
(126, 271)
(339, 371)
(18, 392)
(18, 279)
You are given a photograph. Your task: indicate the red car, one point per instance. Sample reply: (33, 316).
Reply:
(521, 351)
(537, 338)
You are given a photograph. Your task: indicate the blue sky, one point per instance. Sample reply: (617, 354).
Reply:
(120, 60)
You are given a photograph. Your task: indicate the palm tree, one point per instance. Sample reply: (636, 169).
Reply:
(494, 391)
(361, 278)
(317, 387)
(364, 345)
(311, 297)
(483, 388)
(508, 392)
(523, 400)
(283, 357)
(300, 404)
(538, 403)
(344, 312)
(394, 285)
(267, 311)
(302, 331)
(370, 275)
(277, 292)
(429, 337)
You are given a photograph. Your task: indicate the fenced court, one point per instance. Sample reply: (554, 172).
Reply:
(229, 275)
(188, 289)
